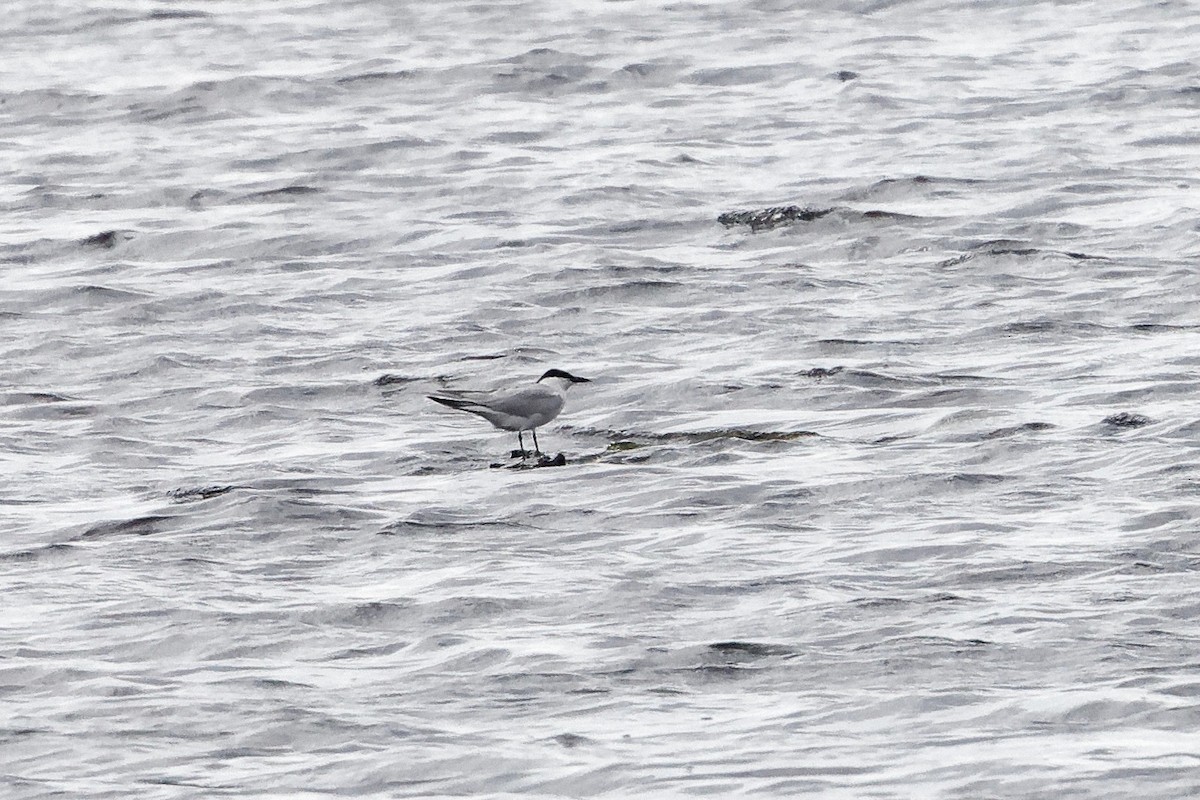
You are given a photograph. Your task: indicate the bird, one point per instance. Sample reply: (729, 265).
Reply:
(524, 409)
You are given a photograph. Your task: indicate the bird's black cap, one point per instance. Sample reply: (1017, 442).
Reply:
(558, 373)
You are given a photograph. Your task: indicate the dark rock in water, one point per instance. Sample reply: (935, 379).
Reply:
(198, 493)
(387, 379)
(767, 218)
(543, 461)
(821, 372)
(106, 240)
(844, 75)
(1127, 420)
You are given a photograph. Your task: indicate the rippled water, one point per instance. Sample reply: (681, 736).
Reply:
(891, 493)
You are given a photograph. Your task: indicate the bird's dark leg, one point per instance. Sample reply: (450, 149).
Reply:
(521, 441)
(537, 451)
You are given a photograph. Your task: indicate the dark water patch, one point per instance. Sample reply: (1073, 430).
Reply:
(439, 520)
(892, 439)
(1024, 572)
(1030, 326)
(872, 379)
(45, 105)
(845, 75)
(167, 109)
(736, 76)
(70, 409)
(372, 614)
(835, 345)
(895, 216)
(1045, 325)
(379, 76)
(200, 493)
(37, 553)
(954, 396)
(749, 650)
(137, 526)
(94, 295)
(774, 217)
(1177, 140)
(571, 740)
(1127, 419)
(516, 137)
(628, 291)
(1160, 327)
(177, 14)
(640, 70)
(871, 603)
(1007, 247)
(368, 652)
(489, 215)
(820, 373)
(202, 197)
(484, 357)
(1158, 519)
(630, 226)
(24, 398)
(1015, 430)
(903, 188)
(960, 377)
(453, 610)
(281, 193)
(924, 644)
(721, 671)
(977, 479)
(544, 69)
(346, 159)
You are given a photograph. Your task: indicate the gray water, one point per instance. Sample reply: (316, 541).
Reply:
(895, 498)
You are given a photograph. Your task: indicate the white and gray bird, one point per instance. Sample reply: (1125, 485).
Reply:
(520, 410)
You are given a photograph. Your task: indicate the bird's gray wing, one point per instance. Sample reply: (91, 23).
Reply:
(536, 403)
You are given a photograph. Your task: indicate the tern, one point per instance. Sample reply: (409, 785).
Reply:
(520, 410)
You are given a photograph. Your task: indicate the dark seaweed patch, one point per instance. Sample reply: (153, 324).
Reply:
(198, 493)
(774, 217)
(1127, 419)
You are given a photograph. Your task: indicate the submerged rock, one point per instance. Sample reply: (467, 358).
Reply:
(543, 461)
(105, 240)
(774, 217)
(1127, 419)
